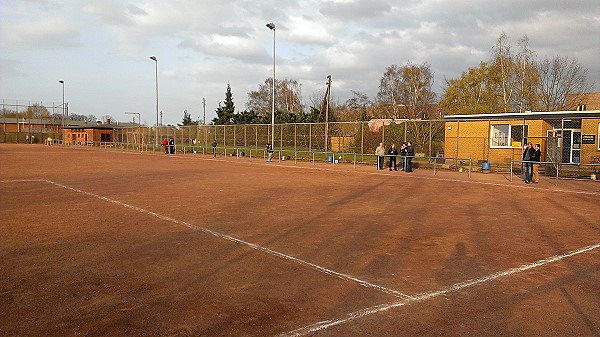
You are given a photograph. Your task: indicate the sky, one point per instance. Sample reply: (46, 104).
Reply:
(101, 48)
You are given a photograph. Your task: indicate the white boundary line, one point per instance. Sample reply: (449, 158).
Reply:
(233, 239)
(406, 299)
(429, 295)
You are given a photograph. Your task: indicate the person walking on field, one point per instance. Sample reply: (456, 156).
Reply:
(537, 156)
(410, 153)
(393, 152)
(380, 152)
(214, 148)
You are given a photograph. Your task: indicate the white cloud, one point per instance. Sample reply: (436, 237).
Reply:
(44, 32)
(101, 47)
(305, 31)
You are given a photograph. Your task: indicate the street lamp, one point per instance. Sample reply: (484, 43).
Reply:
(271, 26)
(63, 103)
(153, 58)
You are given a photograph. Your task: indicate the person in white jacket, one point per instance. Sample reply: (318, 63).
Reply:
(380, 152)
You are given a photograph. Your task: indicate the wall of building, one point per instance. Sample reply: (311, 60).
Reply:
(471, 139)
(590, 153)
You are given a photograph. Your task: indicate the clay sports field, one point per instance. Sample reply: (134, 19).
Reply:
(114, 243)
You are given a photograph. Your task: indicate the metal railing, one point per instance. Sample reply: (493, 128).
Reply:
(558, 166)
(334, 158)
(331, 157)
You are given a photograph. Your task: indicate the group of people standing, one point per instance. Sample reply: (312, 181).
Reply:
(407, 152)
(169, 145)
(531, 155)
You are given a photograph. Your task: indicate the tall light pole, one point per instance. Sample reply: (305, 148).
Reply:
(204, 109)
(271, 26)
(63, 103)
(327, 111)
(153, 58)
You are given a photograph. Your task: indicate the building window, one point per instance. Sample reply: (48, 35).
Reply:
(506, 135)
(104, 137)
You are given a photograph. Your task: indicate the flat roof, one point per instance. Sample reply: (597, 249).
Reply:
(525, 115)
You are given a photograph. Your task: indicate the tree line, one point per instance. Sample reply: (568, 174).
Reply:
(511, 80)
(38, 111)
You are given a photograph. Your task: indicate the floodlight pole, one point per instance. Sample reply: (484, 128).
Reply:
(327, 112)
(272, 27)
(63, 101)
(153, 58)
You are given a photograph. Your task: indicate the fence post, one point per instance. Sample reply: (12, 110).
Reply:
(470, 163)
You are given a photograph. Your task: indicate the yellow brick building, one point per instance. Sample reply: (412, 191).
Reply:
(567, 136)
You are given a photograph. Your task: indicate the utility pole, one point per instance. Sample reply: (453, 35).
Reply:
(327, 93)
(204, 108)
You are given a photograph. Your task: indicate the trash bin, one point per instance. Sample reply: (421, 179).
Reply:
(330, 159)
(485, 167)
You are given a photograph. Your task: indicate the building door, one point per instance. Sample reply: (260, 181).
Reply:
(566, 145)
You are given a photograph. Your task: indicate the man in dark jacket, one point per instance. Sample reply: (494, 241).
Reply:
(528, 154)
(393, 152)
(410, 153)
(172, 146)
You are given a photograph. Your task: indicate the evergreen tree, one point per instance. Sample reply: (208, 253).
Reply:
(187, 119)
(246, 117)
(226, 113)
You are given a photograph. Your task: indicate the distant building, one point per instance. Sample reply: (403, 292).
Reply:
(88, 134)
(583, 102)
(17, 130)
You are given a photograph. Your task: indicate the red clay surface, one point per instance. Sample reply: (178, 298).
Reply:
(110, 243)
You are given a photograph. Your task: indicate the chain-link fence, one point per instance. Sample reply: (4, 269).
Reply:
(347, 137)
(434, 142)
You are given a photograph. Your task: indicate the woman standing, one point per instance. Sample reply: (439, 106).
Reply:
(393, 152)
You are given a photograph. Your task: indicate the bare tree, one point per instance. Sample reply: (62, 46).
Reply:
(36, 111)
(503, 65)
(528, 76)
(288, 97)
(558, 77)
(358, 100)
(417, 95)
(390, 90)
(405, 91)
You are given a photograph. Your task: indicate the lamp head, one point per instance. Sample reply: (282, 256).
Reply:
(153, 58)
(61, 81)
(271, 26)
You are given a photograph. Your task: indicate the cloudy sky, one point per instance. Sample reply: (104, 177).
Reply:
(101, 48)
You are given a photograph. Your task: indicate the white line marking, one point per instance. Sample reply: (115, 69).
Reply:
(429, 295)
(241, 242)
